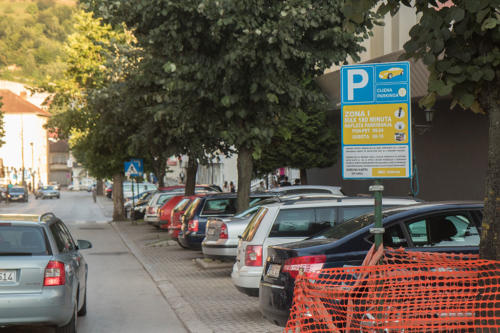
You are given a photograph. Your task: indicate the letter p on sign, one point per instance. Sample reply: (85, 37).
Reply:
(351, 85)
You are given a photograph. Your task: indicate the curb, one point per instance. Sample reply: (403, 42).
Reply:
(174, 298)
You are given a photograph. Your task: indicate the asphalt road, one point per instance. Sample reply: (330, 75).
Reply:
(122, 297)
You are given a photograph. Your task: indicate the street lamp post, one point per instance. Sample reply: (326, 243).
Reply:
(32, 168)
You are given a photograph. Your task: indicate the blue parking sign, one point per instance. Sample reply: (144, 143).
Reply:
(376, 121)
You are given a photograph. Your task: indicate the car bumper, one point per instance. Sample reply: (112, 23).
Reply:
(274, 303)
(53, 306)
(151, 219)
(215, 249)
(246, 279)
(174, 232)
(191, 240)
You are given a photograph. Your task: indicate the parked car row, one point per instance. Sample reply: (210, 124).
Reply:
(282, 234)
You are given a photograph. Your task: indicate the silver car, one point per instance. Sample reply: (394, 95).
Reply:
(221, 240)
(43, 276)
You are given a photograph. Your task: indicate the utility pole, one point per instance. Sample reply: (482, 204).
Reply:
(32, 168)
(22, 151)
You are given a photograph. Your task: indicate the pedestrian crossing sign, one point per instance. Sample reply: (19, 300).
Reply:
(134, 168)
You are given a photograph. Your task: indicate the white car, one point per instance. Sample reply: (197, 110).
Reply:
(151, 214)
(292, 221)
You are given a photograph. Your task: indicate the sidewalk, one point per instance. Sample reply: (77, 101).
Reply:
(205, 300)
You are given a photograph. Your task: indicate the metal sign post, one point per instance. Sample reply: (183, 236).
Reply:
(376, 127)
(134, 168)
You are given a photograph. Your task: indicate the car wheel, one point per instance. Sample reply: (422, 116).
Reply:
(58, 197)
(389, 76)
(83, 311)
(180, 244)
(69, 327)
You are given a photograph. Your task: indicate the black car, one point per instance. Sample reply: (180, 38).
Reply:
(17, 193)
(436, 227)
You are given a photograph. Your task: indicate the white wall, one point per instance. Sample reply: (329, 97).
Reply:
(20, 131)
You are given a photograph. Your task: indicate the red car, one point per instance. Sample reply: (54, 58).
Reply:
(165, 212)
(175, 220)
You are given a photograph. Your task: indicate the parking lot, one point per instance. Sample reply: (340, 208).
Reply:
(204, 299)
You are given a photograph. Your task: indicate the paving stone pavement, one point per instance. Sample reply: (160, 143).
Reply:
(204, 299)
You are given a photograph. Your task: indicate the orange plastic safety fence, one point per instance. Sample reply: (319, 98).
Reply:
(398, 291)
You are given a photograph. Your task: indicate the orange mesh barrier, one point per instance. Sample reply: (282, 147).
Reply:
(399, 291)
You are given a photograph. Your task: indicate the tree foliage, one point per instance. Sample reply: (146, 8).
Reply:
(237, 67)
(460, 44)
(305, 139)
(31, 39)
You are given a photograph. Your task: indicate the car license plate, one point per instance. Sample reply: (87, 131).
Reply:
(274, 270)
(7, 275)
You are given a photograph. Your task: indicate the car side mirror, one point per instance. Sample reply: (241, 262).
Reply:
(84, 244)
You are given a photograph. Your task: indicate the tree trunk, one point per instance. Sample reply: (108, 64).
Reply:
(159, 170)
(245, 166)
(99, 187)
(192, 169)
(490, 236)
(303, 176)
(118, 210)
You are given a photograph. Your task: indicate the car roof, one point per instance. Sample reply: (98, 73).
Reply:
(299, 187)
(326, 200)
(46, 217)
(425, 207)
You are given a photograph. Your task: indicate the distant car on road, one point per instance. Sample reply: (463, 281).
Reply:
(47, 191)
(17, 193)
(55, 185)
(43, 276)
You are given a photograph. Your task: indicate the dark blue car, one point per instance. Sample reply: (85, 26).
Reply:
(195, 218)
(433, 227)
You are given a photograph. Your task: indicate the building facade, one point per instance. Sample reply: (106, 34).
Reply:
(25, 152)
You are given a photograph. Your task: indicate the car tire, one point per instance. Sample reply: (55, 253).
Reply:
(180, 244)
(389, 76)
(58, 197)
(69, 327)
(83, 311)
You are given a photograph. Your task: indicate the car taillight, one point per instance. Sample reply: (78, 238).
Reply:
(308, 264)
(193, 225)
(223, 231)
(253, 255)
(55, 274)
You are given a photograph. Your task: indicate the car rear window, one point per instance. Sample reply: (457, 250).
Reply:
(182, 205)
(303, 222)
(220, 206)
(192, 207)
(252, 227)
(23, 240)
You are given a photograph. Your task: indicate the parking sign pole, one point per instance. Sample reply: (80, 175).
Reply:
(377, 188)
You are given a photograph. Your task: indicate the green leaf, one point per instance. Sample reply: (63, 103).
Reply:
(455, 70)
(457, 14)
(489, 23)
(482, 14)
(427, 101)
(226, 101)
(445, 89)
(466, 100)
(272, 98)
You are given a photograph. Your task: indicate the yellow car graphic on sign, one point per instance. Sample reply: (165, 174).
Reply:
(390, 73)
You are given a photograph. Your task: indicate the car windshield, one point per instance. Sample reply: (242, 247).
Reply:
(16, 190)
(47, 188)
(22, 240)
